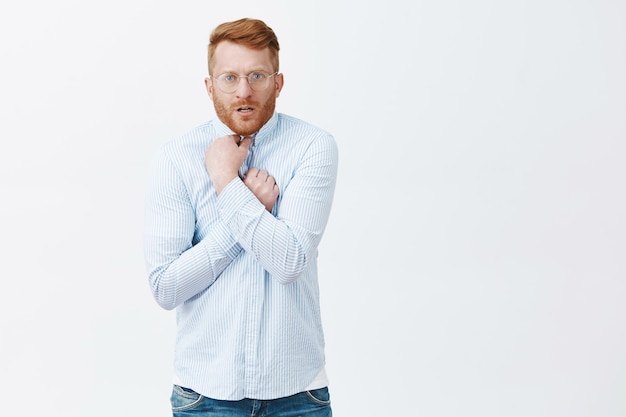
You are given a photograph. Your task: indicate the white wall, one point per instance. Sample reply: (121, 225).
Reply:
(474, 262)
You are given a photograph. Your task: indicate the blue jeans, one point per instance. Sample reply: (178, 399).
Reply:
(188, 403)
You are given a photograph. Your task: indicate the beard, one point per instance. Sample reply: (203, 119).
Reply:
(238, 122)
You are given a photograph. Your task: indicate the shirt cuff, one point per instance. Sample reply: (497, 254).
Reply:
(237, 199)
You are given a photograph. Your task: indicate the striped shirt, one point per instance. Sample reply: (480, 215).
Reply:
(243, 281)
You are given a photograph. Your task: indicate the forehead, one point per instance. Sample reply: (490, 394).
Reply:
(233, 57)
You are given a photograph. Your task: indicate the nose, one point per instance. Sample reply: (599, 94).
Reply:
(243, 88)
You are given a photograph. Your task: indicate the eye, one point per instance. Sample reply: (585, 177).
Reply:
(256, 76)
(228, 78)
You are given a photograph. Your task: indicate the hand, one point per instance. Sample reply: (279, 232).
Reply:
(223, 158)
(263, 186)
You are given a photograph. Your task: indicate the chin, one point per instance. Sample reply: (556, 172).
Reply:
(245, 129)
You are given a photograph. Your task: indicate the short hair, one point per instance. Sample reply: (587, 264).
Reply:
(251, 33)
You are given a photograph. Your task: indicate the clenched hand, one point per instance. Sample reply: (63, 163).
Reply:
(224, 157)
(263, 186)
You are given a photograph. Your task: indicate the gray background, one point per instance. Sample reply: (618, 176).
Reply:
(474, 261)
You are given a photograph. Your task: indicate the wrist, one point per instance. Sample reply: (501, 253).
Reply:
(221, 181)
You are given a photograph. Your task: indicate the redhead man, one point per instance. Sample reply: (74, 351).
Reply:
(235, 211)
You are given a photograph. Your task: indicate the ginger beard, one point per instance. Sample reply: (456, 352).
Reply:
(239, 119)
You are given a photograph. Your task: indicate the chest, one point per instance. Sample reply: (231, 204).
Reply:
(281, 163)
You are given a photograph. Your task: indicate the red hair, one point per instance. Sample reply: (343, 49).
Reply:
(251, 33)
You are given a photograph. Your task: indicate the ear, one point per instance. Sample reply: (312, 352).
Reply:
(208, 83)
(278, 83)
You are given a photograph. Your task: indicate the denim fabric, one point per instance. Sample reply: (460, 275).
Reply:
(188, 403)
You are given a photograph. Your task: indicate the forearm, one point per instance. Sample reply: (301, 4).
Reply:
(284, 245)
(176, 276)
(180, 260)
(273, 245)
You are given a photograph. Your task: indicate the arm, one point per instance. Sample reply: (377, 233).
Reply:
(178, 270)
(285, 244)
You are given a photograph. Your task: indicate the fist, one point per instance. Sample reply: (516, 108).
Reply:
(263, 186)
(223, 158)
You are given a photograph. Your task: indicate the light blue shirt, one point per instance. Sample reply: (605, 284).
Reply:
(243, 280)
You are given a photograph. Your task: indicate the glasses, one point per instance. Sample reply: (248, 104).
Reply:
(228, 83)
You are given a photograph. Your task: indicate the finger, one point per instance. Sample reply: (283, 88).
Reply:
(252, 172)
(228, 138)
(264, 175)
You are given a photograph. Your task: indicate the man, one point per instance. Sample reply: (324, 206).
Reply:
(235, 211)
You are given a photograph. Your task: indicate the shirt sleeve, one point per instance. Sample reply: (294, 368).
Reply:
(284, 244)
(177, 269)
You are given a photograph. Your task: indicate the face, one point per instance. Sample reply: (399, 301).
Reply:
(245, 111)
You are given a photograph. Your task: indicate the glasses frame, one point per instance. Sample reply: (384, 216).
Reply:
(236, 85)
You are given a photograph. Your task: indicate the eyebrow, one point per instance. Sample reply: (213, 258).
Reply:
(251, 71)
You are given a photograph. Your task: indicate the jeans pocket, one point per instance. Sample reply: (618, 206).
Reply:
(319, 396)
(184, 398)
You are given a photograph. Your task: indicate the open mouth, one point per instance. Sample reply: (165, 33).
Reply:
(245, 109)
